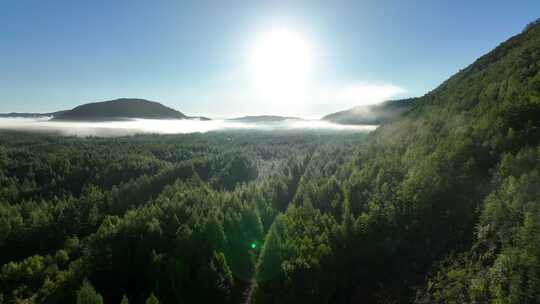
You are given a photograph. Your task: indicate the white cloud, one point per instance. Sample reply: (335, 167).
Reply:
(366, 94)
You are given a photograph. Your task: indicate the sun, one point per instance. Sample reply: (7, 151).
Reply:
(280, 65)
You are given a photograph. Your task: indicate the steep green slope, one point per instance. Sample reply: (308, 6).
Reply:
(445, 152)
(456, 174)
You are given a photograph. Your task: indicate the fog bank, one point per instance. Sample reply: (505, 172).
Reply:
(150, 126)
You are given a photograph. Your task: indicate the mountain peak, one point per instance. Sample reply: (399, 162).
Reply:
(120, 109)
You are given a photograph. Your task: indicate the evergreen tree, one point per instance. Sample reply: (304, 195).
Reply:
(88, 295)
(151, 299)
(269, 266)
(124, 300)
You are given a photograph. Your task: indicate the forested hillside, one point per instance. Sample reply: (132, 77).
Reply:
(440, 205)
(375, 114)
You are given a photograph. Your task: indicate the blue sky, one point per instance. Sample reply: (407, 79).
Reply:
(193, 55)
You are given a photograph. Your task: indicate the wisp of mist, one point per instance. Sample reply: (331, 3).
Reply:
(150, 126)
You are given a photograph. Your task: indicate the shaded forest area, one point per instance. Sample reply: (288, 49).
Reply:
(441, 205)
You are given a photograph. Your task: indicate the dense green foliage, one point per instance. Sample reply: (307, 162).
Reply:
(441, 205)
(88, 295)
(183, 217)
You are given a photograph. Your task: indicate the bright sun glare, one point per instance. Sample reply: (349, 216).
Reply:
(281, 65)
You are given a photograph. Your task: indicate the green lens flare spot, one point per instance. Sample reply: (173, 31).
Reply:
(253, 245)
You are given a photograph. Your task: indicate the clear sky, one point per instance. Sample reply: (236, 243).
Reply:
(197, 56)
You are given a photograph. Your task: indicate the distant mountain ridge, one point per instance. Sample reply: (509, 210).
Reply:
(29, 115)
(372, 114)
(118, 109)
(111, 110)
(132, 108)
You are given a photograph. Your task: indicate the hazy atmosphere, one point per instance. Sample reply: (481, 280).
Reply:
(149, 126)
(269, 152)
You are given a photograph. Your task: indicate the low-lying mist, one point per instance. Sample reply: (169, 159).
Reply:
(149, 126)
